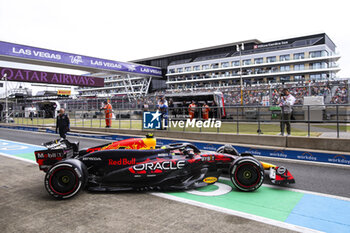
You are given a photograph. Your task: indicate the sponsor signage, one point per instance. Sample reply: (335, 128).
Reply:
(122, 161)
(210, 180)
(153, 120)
(273, 44)
(166, 165)
(34, 76)
(63, 92)
(49, 155)
(39, 54)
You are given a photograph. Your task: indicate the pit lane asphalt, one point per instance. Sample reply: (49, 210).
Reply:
(25, 205)
(333, 180)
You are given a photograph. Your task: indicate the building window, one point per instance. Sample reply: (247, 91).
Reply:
(215, 66)
(318, 65)
(171, 71)
(258, 60)
(225, 64)
(205, 67)
(299, 78)
(179, 70)
(271, 79)
(187, 69)
(285, 79)
(271, 59)
(196, 68)
(285, 57)
(297, 56)
(299, 67)
(257, 71)
(284, 68)
(322, 53)
(235, 63)
(247, 62)
(317, 77)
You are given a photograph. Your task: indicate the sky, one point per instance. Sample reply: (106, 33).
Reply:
(134, 29)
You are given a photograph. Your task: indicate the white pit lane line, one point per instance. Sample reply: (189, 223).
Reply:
(18, 158)
(207, 206)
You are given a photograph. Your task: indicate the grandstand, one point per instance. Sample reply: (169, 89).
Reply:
(298, 60)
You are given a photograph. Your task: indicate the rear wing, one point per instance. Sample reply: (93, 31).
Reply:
(55, 152)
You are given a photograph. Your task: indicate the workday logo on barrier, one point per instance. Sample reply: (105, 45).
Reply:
(339, 159)
(307, 156)
(152, 120)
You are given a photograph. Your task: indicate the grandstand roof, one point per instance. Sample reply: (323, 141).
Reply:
(226, 50)
(205, 49)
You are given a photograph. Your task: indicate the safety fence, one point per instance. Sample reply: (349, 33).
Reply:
(310, 121)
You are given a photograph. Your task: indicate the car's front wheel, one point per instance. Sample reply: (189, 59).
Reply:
(65, 179)
(247, 174)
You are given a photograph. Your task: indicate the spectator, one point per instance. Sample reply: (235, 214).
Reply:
(286, 103)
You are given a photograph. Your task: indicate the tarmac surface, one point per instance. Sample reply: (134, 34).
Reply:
(326, 179)
(25, 205)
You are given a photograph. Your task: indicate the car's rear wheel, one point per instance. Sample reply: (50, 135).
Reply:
(65, 179)
(247, 174)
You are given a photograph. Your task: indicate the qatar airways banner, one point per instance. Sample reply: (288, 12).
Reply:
(33, 53)
(33, 76)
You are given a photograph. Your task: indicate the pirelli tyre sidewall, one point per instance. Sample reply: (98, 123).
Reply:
(66, 178)
(247, 174)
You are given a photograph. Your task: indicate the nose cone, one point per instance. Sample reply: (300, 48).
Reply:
(281, 175)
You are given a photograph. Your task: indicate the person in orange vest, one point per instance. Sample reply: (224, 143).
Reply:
(205, 111)
(192, 109)
(108, 113)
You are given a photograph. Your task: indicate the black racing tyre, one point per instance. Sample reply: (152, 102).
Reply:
(65, 179)
(247, 174)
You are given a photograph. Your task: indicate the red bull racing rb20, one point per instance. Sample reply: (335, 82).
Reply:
(138, 164)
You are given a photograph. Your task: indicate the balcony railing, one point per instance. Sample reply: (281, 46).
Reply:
(267, 63)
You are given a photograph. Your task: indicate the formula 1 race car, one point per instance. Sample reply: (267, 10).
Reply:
(138, 164)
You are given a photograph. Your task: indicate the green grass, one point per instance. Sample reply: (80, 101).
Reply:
(35, 121)
(226, 127)
(97, 123)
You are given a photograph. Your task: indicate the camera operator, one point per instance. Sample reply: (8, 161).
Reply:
(286, 103)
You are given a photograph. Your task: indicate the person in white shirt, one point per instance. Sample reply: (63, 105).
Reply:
(286, 103)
